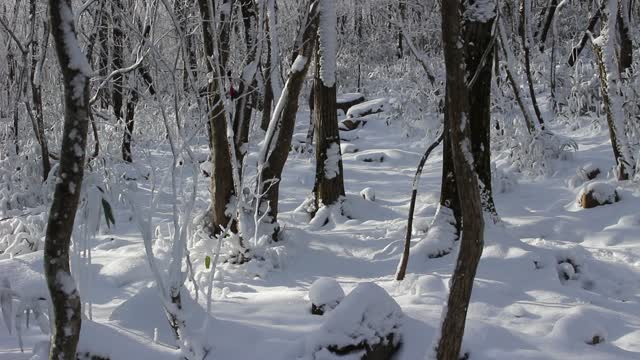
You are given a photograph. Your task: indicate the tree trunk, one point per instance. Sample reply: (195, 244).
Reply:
(526, 46)
(117, 9)
(609, 86)
(37, 59)
(458, 109)
(129, 123)
(280, 132)
(64, 295)
(329, 183)
(103, 56)
(268, 89)
(626, 39)
(222, 189)
(448, 189)
(247, 87)
(478, 57)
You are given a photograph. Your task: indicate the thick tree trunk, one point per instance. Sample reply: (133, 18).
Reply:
(448, 189)
(329, 184)
(478, 61)
(64, 295)
(458, 109)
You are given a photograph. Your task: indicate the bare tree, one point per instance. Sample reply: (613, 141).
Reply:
(75, 71)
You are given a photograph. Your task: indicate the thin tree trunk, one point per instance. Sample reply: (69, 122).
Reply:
(64, 295)
(281, 126)
(247, 87)
(526, 46)
(404, 261)
(117, 10)
(37, 59)
(103, 56)
(595, 18)
(222, 189)
(609, 86)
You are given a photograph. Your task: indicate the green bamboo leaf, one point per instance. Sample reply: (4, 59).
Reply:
(108, 213)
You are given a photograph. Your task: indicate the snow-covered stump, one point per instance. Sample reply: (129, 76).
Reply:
(366, 325)
(597, 194)
(345, 101)
(325, 294)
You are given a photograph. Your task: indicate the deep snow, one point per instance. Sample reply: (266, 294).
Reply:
(522, 305)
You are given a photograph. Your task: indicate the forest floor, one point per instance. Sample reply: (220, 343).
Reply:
(522, 307)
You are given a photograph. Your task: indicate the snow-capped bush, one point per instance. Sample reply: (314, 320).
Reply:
(325, 294)
(367, 321)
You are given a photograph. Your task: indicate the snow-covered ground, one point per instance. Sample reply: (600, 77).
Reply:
(552, 277)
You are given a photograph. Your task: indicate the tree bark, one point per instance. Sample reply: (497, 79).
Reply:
(64, 295)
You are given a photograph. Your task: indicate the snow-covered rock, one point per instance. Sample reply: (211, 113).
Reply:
(596, 194)
(368, 194)
(348, 148)
(325, 294)
(366, 325)
(346, 101)
(368, 107)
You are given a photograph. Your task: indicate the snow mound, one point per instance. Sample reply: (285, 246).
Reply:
(366, 320)
(579, 326)
(26, 275)
(369, 107)
(440, 237)
(325, 294)
(126, 270)
(391, 157)
(144, 313)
